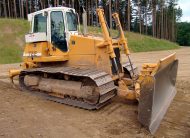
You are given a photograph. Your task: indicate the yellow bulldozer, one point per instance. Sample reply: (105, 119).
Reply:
(85, 71)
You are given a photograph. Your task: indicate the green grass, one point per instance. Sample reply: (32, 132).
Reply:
(141, 43)
(12, 33)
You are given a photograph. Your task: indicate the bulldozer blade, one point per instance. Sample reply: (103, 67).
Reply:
(157, 93)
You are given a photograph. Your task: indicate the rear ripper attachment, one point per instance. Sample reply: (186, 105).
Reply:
(84, 88)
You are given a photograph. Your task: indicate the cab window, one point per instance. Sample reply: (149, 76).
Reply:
(40, 23)
(72, 21)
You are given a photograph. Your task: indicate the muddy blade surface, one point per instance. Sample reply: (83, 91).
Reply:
(157, 94)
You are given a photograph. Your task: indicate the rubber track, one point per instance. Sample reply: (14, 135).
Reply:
(107, 89)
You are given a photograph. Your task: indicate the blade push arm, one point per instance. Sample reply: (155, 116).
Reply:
(122, 39)
(106, 35)
(107, 39)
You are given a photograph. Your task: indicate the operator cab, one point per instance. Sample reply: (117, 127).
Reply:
(54, 25)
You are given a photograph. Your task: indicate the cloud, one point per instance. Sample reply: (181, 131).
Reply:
(185, 6)
(185, 19)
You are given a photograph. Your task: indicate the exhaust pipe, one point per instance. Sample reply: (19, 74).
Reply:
(84, 20)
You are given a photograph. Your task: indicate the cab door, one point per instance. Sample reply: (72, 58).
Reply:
(57, 28)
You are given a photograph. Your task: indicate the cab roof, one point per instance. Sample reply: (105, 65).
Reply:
(49, 9)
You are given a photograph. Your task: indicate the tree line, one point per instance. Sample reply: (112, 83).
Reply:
(151, 17)
(183, 33)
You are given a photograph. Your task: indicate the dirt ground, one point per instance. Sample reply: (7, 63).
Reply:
(25, 115)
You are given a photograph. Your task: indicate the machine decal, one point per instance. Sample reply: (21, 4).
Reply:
(32, 54)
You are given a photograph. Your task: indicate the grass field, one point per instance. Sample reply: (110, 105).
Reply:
(140, 43)
(12, 33)
(12, 39)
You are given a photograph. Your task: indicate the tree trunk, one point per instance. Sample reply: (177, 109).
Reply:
(15, 11)
(48, 3)
(9, 8)
(73, 3)
(153, 18)
(139, 14)
(42, 5)
(142, 22)
(162, 18)
(116, 6)
(129, 16)
(55, 3)
(173, 25)
(159, 25)
(110, 13)
(91, 15)
(146, 22)
(167, 25)
(22, 8)
(96, 14)
(88, 13)
(5, 9)
(26, 7)
(58, 3)
(0, 11)
(30, 6)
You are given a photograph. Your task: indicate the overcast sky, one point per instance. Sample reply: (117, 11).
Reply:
(185, 6)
